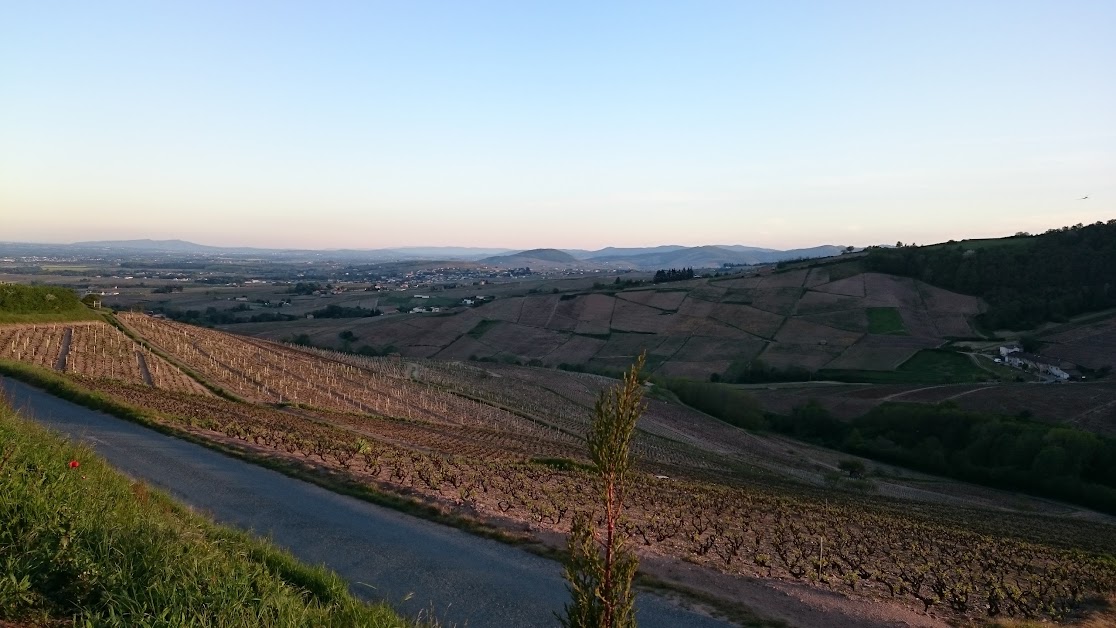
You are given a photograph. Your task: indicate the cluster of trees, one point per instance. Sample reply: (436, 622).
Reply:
(213, 316)
(20, 299)
(728, 404)
(339, 311)
(308, 287)
(167, 289)
(1011, 452)
(673, 274)
(1026, 280)
(759, 372)
(348, 338)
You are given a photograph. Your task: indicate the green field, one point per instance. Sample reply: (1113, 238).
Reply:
(481, 328)
(80, 544)
(929, 366)
(885, 320)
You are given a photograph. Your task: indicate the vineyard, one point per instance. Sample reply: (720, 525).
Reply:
(501, 444)
(932, 560)
(92, 349)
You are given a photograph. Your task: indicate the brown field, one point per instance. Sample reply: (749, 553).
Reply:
(745, 318)
(504, 309)
(814, 302)
(939, 300)
(778, 300)
(850, 286)
(956, 325)
(865, 357)
(890, 291)
(706, 349)
(536, 312)
(789, 279)
(628, 316)
(808, 356)
(799, 331)
(849, 320)
(875, 352)
(817, 277)
(697, 308)
(465, 347)
(918, 323)
(1092, 346)
(628, 346)
(522, 340)
(576, 350)
(660, 299)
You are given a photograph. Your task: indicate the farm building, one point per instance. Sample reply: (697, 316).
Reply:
(1032, 362)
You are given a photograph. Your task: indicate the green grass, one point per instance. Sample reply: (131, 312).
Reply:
(885, 320)
(83, 314)
(90, 545)
(929, 366)
(479, 330)
(41, 304)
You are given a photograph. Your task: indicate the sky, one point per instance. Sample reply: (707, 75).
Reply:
(567, 124)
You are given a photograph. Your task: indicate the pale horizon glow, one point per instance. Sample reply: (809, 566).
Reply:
(561, 125)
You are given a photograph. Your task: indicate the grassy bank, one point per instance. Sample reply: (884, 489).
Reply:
(41, 304)
(80, 542)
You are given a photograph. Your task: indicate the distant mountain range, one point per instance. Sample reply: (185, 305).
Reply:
(657, 257)
(636, 258)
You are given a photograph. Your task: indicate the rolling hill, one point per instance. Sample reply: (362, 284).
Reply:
(806, 320)
(533, 257)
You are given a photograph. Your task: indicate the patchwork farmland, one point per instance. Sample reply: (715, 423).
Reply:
(698, 328)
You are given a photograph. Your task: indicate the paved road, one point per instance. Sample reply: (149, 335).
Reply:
(415, 565)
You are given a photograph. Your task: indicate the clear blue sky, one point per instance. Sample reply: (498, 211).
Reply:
(565, 124)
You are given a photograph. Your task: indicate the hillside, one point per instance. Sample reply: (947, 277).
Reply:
(1026, 280)
(709, 256)
(802, 320)
(532, 257)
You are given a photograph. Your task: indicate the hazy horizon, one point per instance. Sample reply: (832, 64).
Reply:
(577, 125)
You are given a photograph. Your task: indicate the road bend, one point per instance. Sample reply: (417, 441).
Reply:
(416, 566)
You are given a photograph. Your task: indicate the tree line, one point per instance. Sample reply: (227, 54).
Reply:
(1004, 451)
(1026, 280)
(1014, 452)
(673, 274)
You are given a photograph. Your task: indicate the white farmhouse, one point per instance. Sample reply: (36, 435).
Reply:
(1032, 362)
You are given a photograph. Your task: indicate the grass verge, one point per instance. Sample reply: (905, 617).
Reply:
(885, 320)
(79, 542)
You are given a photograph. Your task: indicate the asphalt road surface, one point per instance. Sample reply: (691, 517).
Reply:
(415, 565)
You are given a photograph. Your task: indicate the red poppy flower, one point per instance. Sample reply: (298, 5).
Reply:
(74, 464)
